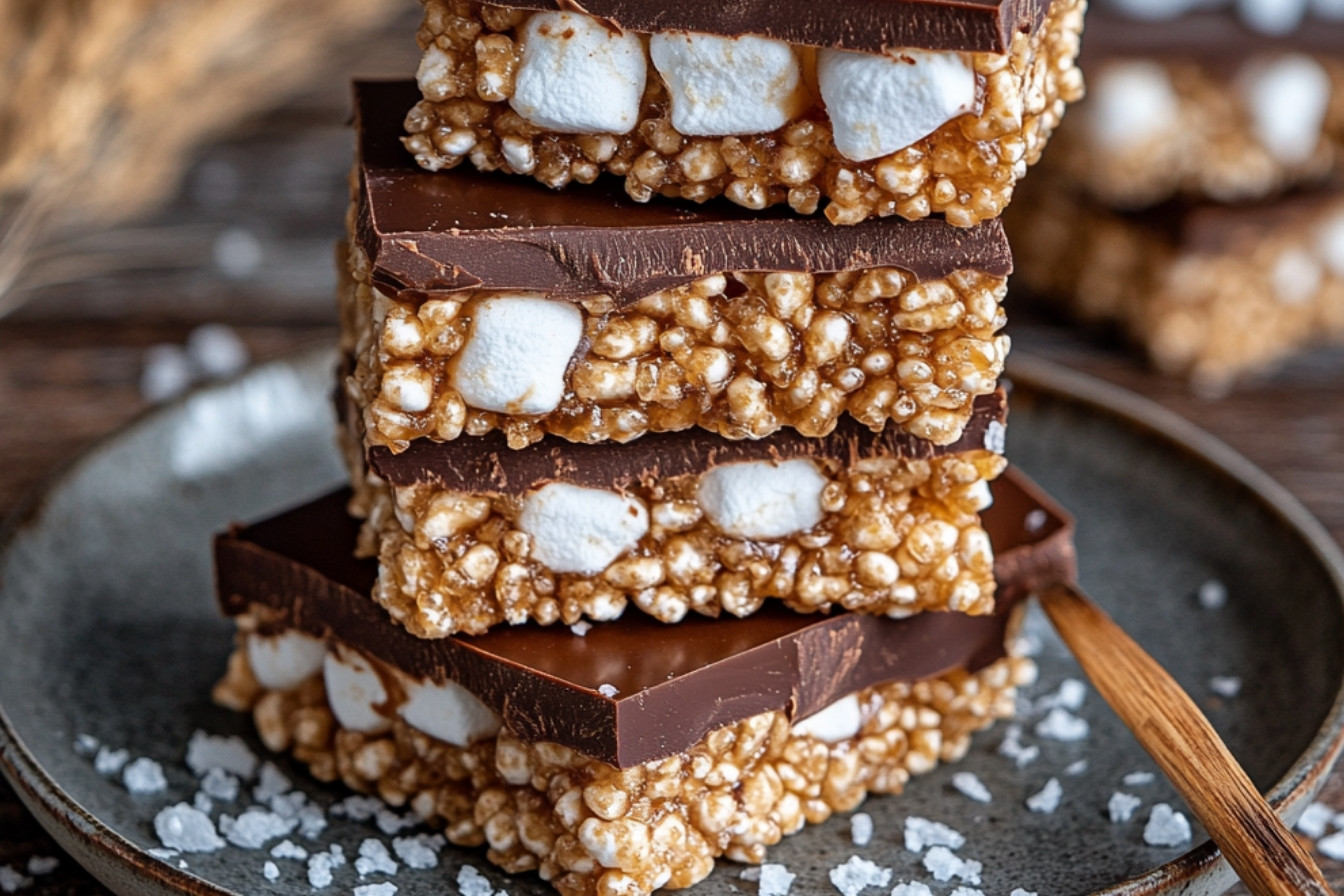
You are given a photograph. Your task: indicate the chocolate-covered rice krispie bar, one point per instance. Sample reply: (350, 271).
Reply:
(875, 109)
(630, 758)
(476, 302)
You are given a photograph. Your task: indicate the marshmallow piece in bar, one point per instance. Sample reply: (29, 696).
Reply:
(839, 721)
(579, 529)
(1287, 99)
(447, 711)
(355, 691)
(282, 661)
(762, 499)
(579, 75)
(728, 85)
(1330, 243)
(881, 103)
(1272, 16)
(1131, 102)
(515, 359)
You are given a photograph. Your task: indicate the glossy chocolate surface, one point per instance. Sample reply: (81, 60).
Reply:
(674, 683)
(429, 233)
(868, 25)
(486, 465)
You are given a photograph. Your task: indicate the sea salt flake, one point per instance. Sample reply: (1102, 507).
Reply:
(144, 776)
(287, 849)
(271, 782)
(1046, 800)
(472, 883)
(1021, 892)
(312, 821)
(1166, 827)
(1212, 595)
(608, 690)
(1011, 747)
(110, 762)
(1070, 694)
(420, 851)
(202, 802)
(944, 865)
(857, 874)
(775, 880)
(1120, 807)
(1137, 779)
(1227, 686)
(337, 853)
(1077, 767)
(971, 787)
(288, 805)
(231, 754)
(581, 628)
(382, 889)
(319, 870)
(861, 828)
(1314, 819)
(255, 827)
(357, 808)
(912, 888)
(270, 871)
(1062, 725)
(968, 891)
(86, 745)
(374, 859)
(40, 865)
(219, 784)
(1332, 847)
(11, 881)
(159, 852)
(390, 822)
(186, 829)
(920, 832)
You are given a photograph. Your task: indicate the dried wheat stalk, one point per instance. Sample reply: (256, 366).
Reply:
(101, 99)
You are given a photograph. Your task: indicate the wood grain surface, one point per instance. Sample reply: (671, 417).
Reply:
(249, 243)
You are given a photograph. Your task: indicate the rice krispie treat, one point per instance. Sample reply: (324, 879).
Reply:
(630, 757)
(472, 534)
(476, 302)
(1220, 103)
(875, 109)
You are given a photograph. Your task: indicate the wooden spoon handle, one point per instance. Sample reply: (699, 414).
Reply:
(1256, 842)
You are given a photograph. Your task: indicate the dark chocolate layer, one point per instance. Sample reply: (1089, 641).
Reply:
(1215, 38)
(674, 683)
(486, 465)
(430, 233)
(868, 25)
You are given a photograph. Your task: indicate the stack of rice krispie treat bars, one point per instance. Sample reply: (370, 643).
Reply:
(672, 526)
(1197, 197)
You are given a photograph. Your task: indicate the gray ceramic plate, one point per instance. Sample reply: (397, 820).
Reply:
(107, 628)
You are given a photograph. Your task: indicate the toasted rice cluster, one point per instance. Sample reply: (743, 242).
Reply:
(1213, 316)
(594, 830)
(741, 354)
(896, 537)
(1206, 145)
(965, 170)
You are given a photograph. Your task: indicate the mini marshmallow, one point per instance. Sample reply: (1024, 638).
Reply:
(881, 103)
(514, 361)
(280, 662)
(1272, 16)
(1330, 243)
(728, 85)
(1287, 98)
(582, 530)
(447, 711)
(355, 691)
(839, 721)
(1296, 277)
(1129, 103)
(578, 75)
(761, 499)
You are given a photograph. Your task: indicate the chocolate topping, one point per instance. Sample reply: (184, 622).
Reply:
(486, 465)
(674, 683)
(868, 25)
(430, 233)
(1218, 38)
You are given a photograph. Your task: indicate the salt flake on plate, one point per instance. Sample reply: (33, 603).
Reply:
(944, 865)
(186, 829)
(1046, 800)
(857, 874)
(1166, 827)
(1062, 725)
(861, 828)
(971, 787)
(921, 832)
(1120, 807)
(1314, 819)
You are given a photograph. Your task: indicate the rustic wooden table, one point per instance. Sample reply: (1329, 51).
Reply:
(249, 243)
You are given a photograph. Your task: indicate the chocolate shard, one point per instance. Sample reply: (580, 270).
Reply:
(486, 465)
(673, 683)
(978, 25)
(430, 233)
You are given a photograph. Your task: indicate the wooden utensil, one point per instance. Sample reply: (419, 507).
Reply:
(1256, 842)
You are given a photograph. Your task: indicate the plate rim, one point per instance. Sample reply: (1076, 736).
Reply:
(109, 856)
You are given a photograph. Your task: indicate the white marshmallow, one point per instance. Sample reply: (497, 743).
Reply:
(1330, 243)
(447, 711)
(1296, 277)
(879, 103)
(761, 499)
(1130, 103)
(577, 529)
(354, 692)
(1287, 99)
(579, 76)
(728, 85)
(280, 662)
(514, 361)
(1272, 16)
(839, 721)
